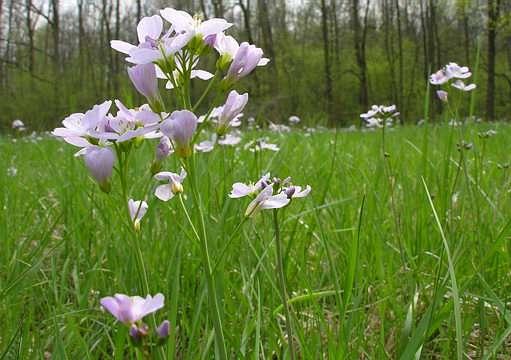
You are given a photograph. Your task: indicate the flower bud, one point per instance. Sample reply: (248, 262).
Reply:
(100, 162)
(163, 330)
(180, 126)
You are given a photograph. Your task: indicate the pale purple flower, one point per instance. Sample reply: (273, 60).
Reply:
(228, 47)
(137, 210)
(261, 144)
(442, 95)
(266, 200)
(279, 128)
(152, 45)
(439, 78)
(143, 77)
(128, 124)
(460, 85)
(180, 127)
(454, 71)
(380, 115)
(131, 309)
(173, 186)
(241, 190)
(100, 162)
(245, 60)
(163, 330)
(79, 127)
(230, 113)
(188, 27)
(164, 149)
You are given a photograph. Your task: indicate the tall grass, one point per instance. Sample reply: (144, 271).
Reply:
(412, 262)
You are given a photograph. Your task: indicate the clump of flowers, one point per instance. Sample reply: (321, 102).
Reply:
(454, 75)
(380, 116)
(170, 50)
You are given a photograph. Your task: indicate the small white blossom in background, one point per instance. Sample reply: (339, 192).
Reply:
(261, 144)
(279, 128)
(18, 125)
(294, 120)
(380, 116)
(12, 171)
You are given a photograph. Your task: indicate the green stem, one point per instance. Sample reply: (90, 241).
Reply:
(206, 259)
(282, 284)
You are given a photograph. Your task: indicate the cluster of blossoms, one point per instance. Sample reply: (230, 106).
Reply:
(268, 193)
(171, 52)
(380, 116)
(454, 75)
(18, 125)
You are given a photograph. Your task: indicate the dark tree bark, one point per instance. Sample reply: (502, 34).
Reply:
(218, 8)
(326, 55)
(493, 16)
(139, 10)
(360, 35)
(30, 34)
(245, 9)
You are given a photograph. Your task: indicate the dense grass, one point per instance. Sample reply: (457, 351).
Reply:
(395, 258)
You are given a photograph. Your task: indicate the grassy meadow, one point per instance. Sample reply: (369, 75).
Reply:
(401, 256)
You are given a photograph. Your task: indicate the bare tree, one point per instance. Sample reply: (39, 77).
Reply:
(326, 55)
(493, 16)
(359, 40)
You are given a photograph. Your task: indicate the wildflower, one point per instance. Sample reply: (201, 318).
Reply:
(243, 58)
(454, 71)
(100, 162)
(18, 125)
(229, 114)
(12, 171)
(132, 309)
(79, 128)
(380, 116)
(261, 144)
(180, 127)
(152, 45)
(266, 200)
(137, 332)
(293, 120)
(174, 185)
(143, 77)
(460, 85)
(188, 27)
(137, 211)
(241, 190)
(439, 78)
(279, 128)
(164, 149)
(442, 95)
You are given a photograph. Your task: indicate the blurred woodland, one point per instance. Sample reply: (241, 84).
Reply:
(330, 59)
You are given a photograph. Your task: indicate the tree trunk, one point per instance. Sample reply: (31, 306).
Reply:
(493, 15)
(30, 34)
(245, 9)
(326, 54)
(139, 10)
(359, 36)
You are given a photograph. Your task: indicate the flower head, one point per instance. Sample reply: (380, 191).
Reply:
(163, 330)
(245, 60)
(442, 95)
(164, 149)
(460, 85)
(173, 186)
(266, 200)
(180, 127)
(131, 309)
(187, 27)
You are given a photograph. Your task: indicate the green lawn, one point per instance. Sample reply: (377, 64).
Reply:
(390, 258)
